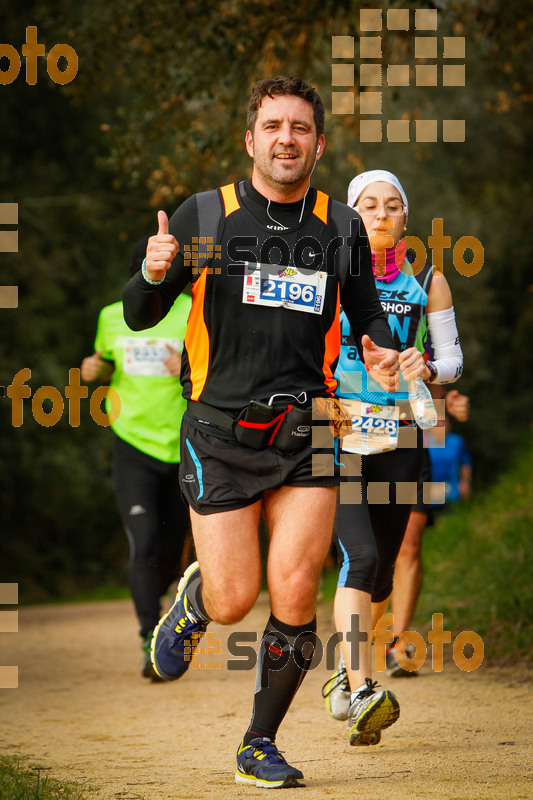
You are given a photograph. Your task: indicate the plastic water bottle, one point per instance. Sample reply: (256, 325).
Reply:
(422, 405)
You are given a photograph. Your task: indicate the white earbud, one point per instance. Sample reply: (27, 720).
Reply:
(318, 150)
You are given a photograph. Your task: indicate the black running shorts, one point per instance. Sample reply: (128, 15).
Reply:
(220, 474)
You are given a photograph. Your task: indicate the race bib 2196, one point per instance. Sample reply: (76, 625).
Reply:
(287, 287)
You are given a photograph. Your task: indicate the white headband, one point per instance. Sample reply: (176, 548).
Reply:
(361, 181)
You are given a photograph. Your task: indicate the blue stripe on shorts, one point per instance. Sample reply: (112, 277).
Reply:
(343, 573)
(199, 471)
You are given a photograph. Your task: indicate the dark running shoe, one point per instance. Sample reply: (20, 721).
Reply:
(370, 712)
(178, 633)
(394, 670)
(147, 670)
(261, 764)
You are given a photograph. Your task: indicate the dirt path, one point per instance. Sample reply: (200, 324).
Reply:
(83, 711)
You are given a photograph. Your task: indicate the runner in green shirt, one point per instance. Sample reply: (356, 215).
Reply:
(144, 370)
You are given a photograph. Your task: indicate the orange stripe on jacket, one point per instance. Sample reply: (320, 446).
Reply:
(197, 338)
(332, 346)
(321, 207)
(229, 196)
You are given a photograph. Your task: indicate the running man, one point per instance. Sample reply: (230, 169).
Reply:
(262, 342)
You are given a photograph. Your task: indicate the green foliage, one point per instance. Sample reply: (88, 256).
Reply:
(60, 527)
(156, 112)
(476, 567)
(19, 781)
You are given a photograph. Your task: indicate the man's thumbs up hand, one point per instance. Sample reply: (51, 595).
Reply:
(162, 221)
(161, 251)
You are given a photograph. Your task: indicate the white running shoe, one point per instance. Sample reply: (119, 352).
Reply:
(336, 692)
(370, 712)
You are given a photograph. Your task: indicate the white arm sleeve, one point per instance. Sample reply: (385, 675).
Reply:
(446, 345)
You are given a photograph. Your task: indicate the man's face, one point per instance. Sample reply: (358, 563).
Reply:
(284, 143)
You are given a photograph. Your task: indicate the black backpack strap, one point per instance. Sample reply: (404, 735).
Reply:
(342, 216)
(210, 217)
(425, 276)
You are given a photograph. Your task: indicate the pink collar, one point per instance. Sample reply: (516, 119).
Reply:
(386, 265)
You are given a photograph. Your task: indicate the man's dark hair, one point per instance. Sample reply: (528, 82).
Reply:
(272, 87)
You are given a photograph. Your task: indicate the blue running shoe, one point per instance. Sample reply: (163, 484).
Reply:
(147, 670)
(179, 629)
(260, 763)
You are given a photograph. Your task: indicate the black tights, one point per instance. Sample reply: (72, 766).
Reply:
(156, 521)
(369, 535)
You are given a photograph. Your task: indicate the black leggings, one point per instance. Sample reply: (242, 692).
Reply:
(156, 521)
(369, 535)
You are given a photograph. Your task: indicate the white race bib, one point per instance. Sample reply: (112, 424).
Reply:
(146, 357)
(266, 285)
(374, 427)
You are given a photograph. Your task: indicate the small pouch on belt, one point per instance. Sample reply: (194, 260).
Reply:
(254, 426)
(294, 432)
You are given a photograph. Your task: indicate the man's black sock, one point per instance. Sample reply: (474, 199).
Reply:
(194, 596)
(284, 657)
